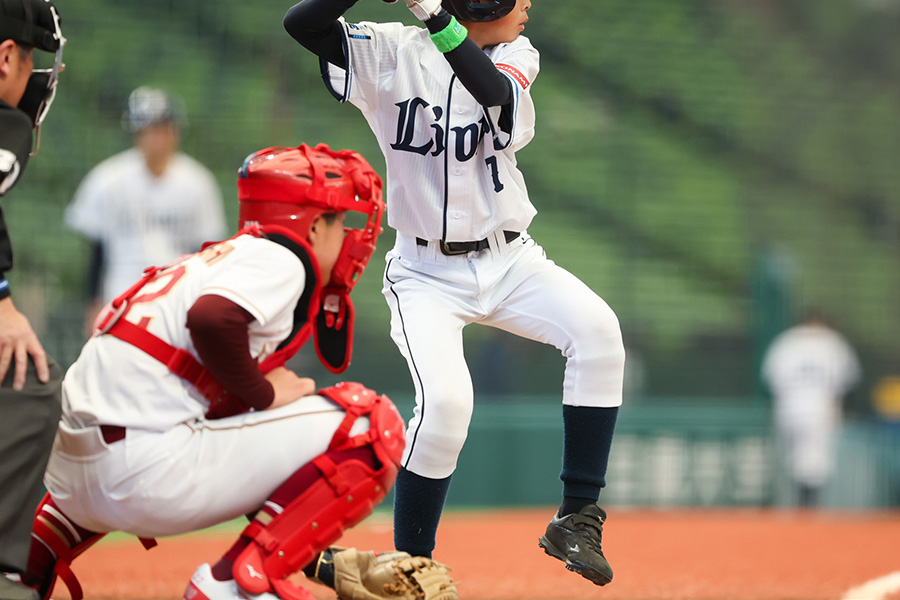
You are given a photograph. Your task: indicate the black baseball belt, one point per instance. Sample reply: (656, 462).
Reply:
(455, 248)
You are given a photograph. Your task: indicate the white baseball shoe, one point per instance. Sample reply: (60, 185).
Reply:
(203, 586)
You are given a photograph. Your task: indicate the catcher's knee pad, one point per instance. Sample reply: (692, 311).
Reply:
(345, 493)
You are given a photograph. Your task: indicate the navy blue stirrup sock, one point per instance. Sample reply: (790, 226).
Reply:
(588, 433)
(418, 504)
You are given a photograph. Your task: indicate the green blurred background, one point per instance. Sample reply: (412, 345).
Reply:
(709, 167)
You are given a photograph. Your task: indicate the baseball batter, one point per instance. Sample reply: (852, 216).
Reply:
(179, 412)
(450, 104)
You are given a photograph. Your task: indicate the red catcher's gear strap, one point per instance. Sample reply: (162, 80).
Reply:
(181, 362)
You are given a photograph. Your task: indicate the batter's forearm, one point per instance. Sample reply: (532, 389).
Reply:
(473, 68)
(314, 24)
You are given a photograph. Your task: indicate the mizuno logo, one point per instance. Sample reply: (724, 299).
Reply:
(253, 572)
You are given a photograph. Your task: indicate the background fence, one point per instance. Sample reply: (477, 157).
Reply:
(668, 453)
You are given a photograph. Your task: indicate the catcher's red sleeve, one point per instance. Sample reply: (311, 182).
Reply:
(218, 329)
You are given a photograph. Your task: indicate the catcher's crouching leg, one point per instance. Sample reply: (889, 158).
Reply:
(345, 493)
(56, 541)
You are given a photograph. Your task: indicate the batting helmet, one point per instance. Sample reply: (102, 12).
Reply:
(478, 12)
(148, 105)
(290, 187)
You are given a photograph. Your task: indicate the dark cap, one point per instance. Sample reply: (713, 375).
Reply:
(29, 22)
(149, 105)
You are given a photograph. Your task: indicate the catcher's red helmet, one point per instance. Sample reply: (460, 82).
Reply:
(290, 187)
(478, 12)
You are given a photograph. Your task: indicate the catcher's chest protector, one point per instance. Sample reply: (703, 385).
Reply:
(346, 493)
(181, 362)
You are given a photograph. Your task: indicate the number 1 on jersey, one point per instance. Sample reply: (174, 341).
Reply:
(491, 162)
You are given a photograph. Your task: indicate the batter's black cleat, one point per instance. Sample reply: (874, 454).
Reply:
(575, 540)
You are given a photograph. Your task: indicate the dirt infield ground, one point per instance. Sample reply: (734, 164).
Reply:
(668, 554)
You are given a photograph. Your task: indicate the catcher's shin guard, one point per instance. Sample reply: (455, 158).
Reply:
(345, 494)
(52, 531)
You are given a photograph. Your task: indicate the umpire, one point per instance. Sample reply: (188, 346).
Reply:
(30, 390)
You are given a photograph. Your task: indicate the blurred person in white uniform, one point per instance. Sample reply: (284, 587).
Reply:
(810, 368)
(147, 205)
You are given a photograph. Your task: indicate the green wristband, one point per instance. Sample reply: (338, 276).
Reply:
(450, 36)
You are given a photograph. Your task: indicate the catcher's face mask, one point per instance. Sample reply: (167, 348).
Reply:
(41, 88)
(290, 187)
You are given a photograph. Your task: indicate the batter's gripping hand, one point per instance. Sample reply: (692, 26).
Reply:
(424, 9)
(390, 576)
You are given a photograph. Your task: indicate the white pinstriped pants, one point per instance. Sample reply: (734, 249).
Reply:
(512, 287)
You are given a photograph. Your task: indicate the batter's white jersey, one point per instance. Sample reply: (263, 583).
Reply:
(451, 165)
(115, 383)
(142, 219)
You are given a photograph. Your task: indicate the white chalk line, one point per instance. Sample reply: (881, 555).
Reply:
(875, 589)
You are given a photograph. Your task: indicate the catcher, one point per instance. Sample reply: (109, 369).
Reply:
(180, 413)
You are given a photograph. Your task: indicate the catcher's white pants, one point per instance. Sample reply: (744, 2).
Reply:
(513, 287)
(193, 476)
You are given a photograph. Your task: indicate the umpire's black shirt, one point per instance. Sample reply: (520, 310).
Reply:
(15, 145)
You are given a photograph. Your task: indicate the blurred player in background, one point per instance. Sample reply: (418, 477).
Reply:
(30, 390)
(180, 414)
(450, 104)
(147, 205)
(810, 368)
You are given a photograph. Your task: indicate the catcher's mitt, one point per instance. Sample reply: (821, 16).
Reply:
(390, 576)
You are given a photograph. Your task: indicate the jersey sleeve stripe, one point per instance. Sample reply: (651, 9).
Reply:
(515, 74)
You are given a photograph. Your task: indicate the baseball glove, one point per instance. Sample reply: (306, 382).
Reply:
(390, 576)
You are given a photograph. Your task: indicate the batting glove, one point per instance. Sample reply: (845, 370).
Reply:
(424, 9)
